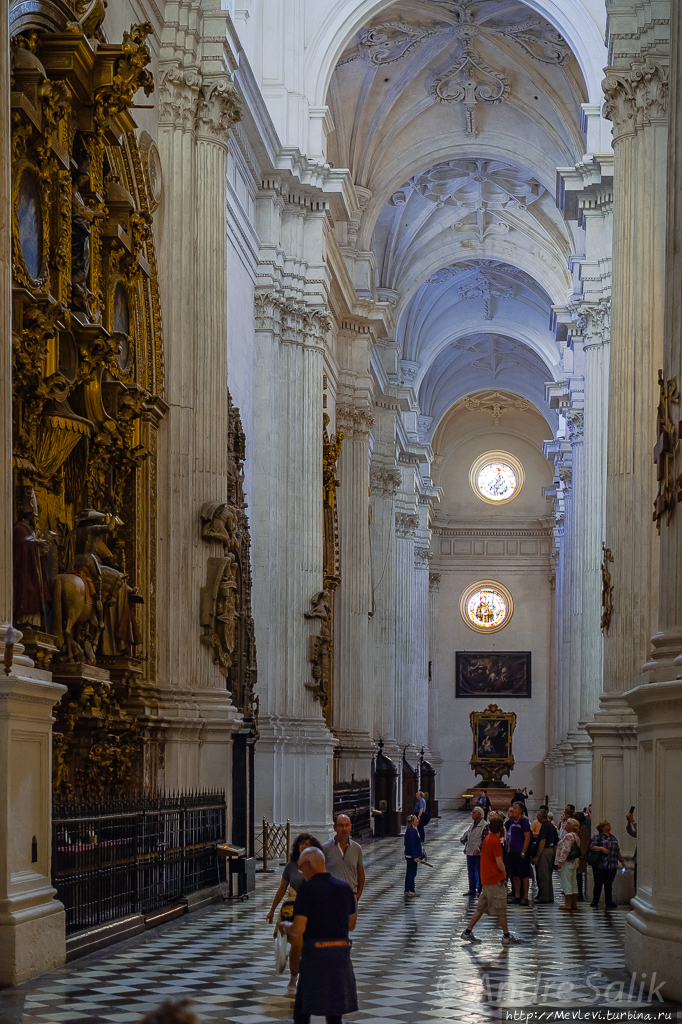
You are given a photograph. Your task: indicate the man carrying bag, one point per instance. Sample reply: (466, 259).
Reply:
(325, 912)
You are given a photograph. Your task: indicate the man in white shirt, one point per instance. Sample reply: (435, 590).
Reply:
(344, 856)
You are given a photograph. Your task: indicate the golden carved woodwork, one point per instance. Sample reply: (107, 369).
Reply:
(493, 730)
(87, 364)
(606, 589)
(321, 653)
(225, 600)
(665, 449)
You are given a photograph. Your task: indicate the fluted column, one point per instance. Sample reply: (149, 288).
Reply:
(295, 750)
(636, 103)
(653, 930)
(434, 711)
(384, 481)
(196, 109)
(353, 677)
(421, 622)
(406, 525)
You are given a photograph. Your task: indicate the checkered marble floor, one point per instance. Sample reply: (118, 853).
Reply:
(412, 967)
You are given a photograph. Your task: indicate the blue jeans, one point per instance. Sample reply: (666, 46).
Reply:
(410, 873)
(474, 870)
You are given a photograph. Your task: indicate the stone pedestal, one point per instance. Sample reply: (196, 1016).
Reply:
(32, 922)
(653, 930)
(613, 733)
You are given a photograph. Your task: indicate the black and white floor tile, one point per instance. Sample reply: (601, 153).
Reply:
(411, 965)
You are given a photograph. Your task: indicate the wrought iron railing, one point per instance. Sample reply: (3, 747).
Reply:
(134, 856)
(272, 843)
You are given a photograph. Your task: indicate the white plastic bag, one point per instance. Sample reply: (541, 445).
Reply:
(281, 953)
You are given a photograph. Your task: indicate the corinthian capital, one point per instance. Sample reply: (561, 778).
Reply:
(355, 422)
(178, 97)
(637, 97)
(219, 108)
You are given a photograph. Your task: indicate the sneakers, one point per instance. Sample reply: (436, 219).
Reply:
(510, 940)
(471, 895)
(291, 987)
(469, 936)
(413, 895)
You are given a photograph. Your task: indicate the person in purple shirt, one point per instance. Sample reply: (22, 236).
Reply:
(518, 860)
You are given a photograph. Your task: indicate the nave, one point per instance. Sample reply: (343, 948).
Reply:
(411, 965)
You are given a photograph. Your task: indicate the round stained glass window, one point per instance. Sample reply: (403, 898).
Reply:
(496, 477)
(497, 481)
(486, 606)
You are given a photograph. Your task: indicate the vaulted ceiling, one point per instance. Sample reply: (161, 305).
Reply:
(453, 116)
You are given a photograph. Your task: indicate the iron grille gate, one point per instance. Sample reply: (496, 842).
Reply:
(134, 856)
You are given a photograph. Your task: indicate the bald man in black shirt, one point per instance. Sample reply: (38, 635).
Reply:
(325, 912)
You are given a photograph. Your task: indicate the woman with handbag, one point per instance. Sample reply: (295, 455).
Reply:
(292, 879)
(603, 857)
(567, 856)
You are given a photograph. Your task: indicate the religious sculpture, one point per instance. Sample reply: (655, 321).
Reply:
(606, 589)
(31, 585)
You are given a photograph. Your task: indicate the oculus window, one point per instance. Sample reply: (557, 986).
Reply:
(496, 477)
(486, 606)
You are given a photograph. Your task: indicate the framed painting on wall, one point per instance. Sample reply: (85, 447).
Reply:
(492, 674)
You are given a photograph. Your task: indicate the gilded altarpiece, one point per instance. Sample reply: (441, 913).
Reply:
(87, 394)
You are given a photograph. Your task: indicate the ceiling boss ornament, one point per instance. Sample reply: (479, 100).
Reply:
(468, 78)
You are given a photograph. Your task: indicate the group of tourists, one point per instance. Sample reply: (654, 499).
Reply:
(505, 854)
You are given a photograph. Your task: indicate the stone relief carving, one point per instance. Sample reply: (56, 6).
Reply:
(422, 558)
(473, 186)
(484, 287)
(469, 79)
(434, 581)
(496, 403)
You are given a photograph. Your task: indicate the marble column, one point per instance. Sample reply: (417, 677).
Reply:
(384, 482)
(434, 729)
(636, 103)
(653, 930)
(406, 525)
(421, 623)
(196, 109)
(218, 109)
(353, 677)
(294, 755)
(32, 922)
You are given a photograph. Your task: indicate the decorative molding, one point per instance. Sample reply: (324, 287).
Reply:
(384, 482)
(496, 403)
(434, 581)
(406, 525)
(636, 98)
(386, 43)
(469, 80)
(472, 185)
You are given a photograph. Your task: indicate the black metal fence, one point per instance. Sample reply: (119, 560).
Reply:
(134, 856)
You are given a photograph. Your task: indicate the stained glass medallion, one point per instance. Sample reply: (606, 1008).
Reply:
(497, 481)
(496, 477)
(486, 606)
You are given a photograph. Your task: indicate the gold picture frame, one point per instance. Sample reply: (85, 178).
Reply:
(493, 731)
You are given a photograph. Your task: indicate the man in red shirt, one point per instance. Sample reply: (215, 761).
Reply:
(493, 898)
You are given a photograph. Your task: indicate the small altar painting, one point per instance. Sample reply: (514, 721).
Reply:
(492, 738)
(492, 674)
